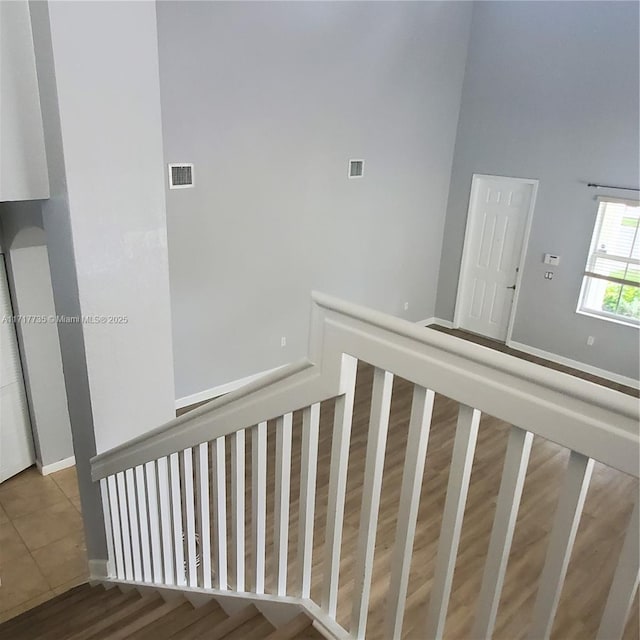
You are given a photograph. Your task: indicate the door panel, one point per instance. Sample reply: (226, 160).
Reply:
(16, 441)
(498, 213)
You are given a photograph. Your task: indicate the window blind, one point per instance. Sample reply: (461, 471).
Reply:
(615, 246)
(611, 283)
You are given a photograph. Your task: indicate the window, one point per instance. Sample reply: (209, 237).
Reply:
(611, 284)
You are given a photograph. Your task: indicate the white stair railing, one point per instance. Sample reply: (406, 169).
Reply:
(165, 494)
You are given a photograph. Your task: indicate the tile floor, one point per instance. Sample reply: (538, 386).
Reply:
(42, 548)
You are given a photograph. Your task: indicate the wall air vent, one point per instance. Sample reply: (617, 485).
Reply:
(180, 175)
(356, 168)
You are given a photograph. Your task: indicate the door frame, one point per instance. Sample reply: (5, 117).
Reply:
(464, 263)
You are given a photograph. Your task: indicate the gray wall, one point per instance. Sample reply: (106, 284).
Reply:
(31, 292)
(550, 92)
(271, 100)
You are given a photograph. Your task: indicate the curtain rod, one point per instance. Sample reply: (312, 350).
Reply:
(608, 186)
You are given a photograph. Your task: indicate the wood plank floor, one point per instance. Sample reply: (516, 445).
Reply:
(606, 513)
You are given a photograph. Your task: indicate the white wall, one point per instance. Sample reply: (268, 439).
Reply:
(551, 92)
(23, 165)
(271, 100)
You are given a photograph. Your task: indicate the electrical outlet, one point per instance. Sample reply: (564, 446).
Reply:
(590, 341)
(283, 341)
(406, 306)
(548, 275)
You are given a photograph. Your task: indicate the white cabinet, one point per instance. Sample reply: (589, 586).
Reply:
(23, 164)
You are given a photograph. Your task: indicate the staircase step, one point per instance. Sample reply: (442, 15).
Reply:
(119, 618)
(38, 613)
(86, 613)
(257, 628)
(292, 629)
(177, 622)
(206, 623)
(228, 626)
(311, 633)
(137, 622)
(159, 628)
(58, 619)
(76, 618)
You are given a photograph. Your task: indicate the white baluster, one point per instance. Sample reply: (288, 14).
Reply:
(189, 498)
(417, 441)
(504, 524)
(164, 492)
(124, 522)
(176, 518)
(203, 513)
(154, 520)
(563, 534)
(259, 502)
(337, 486)
(308, 472)
(117, 531)
(220, 510)
(282, 495)
(108, 527)
(624, 585)
(373, 471)
(133, 524)
(237, 443)
(461, 462)
(144, 524)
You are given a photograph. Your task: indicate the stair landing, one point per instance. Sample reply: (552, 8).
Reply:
(95, 613)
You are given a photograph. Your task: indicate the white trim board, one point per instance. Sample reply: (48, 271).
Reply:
(46, 469)
(221, 389)
(575, 364)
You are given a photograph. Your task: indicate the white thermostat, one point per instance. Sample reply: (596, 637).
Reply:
(549, 258)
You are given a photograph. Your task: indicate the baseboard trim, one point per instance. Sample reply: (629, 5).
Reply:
(575, 364)
(443, 323)
(433, 320)
(46, 469)
(220, 390)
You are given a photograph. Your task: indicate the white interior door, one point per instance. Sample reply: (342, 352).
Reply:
(16, 441)
(497, 224)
